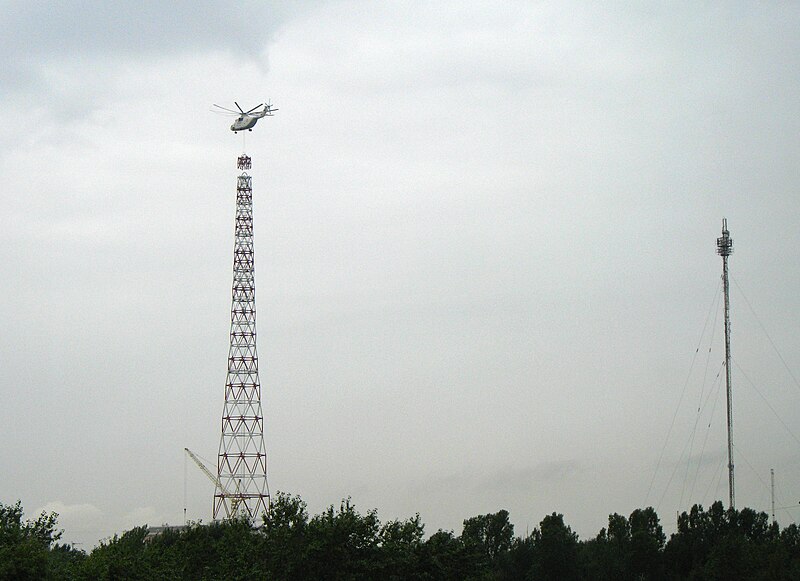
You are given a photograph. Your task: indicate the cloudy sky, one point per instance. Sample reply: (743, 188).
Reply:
(485, 249)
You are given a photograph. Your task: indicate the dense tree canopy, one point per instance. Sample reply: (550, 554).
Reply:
(28, 548)
(343, 544)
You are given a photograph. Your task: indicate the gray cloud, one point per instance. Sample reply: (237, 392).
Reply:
(90, 36)
(485, 249)
(35, 30)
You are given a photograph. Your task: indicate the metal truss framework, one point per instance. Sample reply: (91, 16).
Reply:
(242, 461)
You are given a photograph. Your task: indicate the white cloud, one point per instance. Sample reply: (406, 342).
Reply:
(143, 515)
(82, 524)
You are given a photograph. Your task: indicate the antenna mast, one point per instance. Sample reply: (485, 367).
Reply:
(725, 249)
(772, 492)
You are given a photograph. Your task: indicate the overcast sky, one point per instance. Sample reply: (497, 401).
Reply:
(485, 255)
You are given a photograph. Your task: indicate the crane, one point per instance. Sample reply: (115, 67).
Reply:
(235, 498)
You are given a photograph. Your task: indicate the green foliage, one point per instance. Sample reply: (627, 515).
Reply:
(28, 548)
(489, 533)
(646, 545)
(485, 543)
(730, 544)
(555, 550)
(120, 558)
(343, 544)
(284, 542)
(631, 548)
(400, 548)
(443, 557)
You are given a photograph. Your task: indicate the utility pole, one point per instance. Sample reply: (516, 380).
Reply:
(725, 249)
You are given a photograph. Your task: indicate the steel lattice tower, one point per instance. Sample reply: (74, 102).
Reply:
(242, 460)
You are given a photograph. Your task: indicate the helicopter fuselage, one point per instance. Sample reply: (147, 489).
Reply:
(248, 119)
(244, 122)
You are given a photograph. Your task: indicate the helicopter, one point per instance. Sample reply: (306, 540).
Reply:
(246, 119)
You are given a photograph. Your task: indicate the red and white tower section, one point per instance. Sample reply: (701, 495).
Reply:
(242, 461)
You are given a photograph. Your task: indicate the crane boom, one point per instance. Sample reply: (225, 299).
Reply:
(235, 497)
(205, 470)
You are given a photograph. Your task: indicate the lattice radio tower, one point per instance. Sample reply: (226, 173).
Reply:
(242, 461)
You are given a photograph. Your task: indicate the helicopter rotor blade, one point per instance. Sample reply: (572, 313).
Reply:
(253, 109)
(237, 106)
(226, 109)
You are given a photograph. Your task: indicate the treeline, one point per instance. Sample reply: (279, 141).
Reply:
(343, 544)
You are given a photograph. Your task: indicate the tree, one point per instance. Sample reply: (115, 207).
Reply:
(555, 550)
(122, 557)
(284, 541)
(65, 563)
(486, 540)
(727, 544)
(400, 549)
(444, 558)
(606, 555)
(647, 539)
(25, 545)
(788, 554)
(519, 560)
(342, 544)
(491, 533)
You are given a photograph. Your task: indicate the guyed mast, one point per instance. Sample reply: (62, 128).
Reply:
(725, 249)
